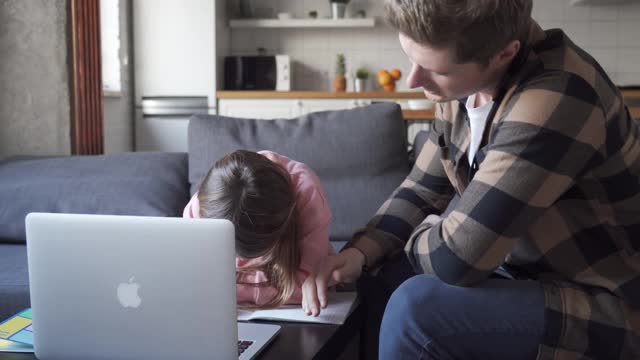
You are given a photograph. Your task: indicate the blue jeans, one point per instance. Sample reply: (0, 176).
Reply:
(426, 318)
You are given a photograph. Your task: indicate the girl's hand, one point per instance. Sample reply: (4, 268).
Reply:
(345, 266)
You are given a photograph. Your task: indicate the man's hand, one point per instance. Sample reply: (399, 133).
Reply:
(345, 266)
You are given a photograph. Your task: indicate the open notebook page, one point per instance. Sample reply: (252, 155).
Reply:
(339, 306)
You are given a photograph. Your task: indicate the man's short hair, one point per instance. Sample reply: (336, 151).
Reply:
(475, 29)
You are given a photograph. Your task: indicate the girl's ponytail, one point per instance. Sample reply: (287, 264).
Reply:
(256, 194)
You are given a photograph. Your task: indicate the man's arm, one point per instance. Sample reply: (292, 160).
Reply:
(427, 190)
(547, 139)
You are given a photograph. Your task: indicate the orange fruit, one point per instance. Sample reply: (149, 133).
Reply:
(390, 87)
(384, 78)
(396, 74)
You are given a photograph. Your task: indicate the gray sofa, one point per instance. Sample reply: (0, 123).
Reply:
(360, 156)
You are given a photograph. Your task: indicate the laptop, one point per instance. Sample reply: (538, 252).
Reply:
(132, 287)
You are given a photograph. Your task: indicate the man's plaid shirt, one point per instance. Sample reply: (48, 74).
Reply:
(554, 195)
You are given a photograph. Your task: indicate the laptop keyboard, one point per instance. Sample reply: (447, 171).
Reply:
(243, 345)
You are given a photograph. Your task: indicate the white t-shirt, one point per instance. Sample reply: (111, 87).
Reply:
(477, 121)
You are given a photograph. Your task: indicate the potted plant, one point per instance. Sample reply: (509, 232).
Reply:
(340, 82)
(338, 8)
(362, 75)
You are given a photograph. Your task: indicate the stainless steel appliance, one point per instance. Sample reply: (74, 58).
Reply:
(162, 122)
(174, 46)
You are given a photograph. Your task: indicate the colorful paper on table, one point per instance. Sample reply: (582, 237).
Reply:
(16, 333)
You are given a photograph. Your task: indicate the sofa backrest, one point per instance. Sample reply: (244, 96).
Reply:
(360, 155)
(147, 184)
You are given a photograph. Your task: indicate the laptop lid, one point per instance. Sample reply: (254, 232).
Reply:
(128, 287)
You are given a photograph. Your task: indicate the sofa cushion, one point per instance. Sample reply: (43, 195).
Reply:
(14, 279)
(152, 184)
(359, 154)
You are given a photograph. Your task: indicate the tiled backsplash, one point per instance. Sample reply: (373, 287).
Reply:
(610, 33)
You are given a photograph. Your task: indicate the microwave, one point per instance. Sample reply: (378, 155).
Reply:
(259, 72)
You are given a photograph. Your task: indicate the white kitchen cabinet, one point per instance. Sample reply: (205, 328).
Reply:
(307, 106)
(283, 108)
(258, 108)
(302, 23)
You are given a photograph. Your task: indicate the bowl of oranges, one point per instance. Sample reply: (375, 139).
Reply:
(387, 79)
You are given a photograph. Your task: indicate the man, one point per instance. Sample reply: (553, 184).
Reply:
(536, 141)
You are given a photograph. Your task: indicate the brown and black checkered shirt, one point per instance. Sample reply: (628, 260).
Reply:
(554, 193)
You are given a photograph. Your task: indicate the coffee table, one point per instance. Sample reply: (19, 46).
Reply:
(295, 341)
(314, 341)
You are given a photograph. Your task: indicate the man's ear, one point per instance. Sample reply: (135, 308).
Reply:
(507, 54)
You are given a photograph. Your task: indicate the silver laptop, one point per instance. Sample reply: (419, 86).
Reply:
(128, 287)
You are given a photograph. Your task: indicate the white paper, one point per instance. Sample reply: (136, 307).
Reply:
(339, 306)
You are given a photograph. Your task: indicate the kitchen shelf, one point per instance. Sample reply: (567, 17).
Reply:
(302, 23)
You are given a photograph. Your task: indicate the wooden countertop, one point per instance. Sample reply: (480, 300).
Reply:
(319, 95)
(411, 115)
(631, 94)
(391, 95)
(240, 94)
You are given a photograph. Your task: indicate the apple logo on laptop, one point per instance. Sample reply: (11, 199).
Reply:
(128, 294)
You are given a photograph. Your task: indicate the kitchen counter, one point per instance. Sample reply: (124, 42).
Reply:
(427, 114)
(319, 95)
(397, 96)
(632, 97)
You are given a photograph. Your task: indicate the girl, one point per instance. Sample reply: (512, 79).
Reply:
(281, 218)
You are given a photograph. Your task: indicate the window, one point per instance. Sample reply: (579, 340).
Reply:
(110, 33)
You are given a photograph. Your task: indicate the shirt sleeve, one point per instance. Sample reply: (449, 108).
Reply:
(537, 150)
(427, 190)
(313, 217)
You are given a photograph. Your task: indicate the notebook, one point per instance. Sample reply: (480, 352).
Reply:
(339, 307)
(16, 333)
(131, 287)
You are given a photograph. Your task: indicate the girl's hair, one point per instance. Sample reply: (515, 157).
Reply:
(256, 194)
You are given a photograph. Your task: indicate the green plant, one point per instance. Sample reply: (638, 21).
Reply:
(362, 73)
(340, 65)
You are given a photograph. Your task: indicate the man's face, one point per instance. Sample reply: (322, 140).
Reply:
(442, 79)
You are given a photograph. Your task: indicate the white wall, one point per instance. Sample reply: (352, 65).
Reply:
(610, 33)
